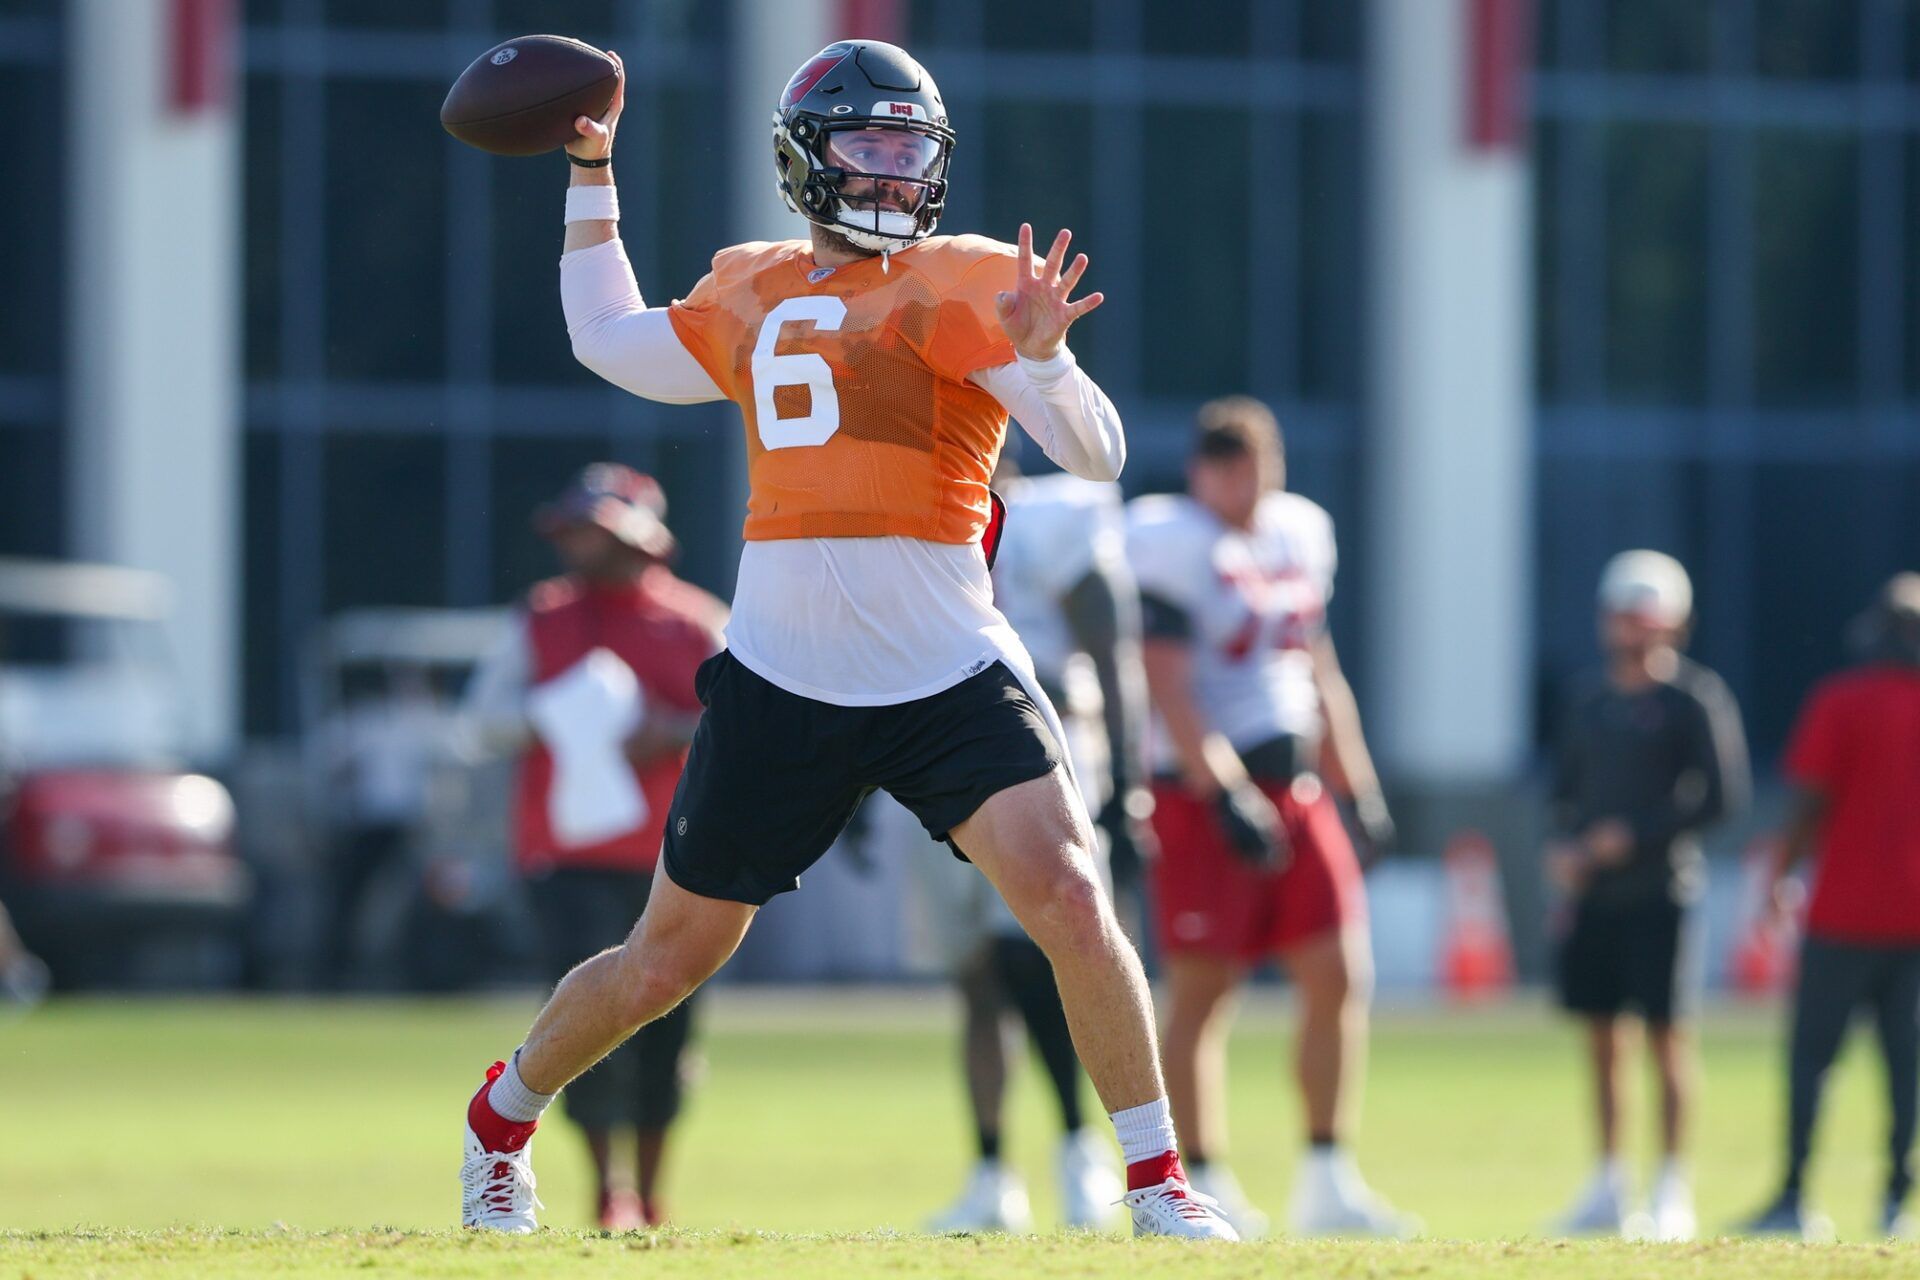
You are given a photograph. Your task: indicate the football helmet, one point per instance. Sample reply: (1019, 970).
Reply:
(861, 144)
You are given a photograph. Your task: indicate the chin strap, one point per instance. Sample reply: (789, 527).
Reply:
(886, 262)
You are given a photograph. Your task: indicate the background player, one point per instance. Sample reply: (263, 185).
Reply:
(875, 369)
(1853, 759)
(1061, 580)
(619, 599)
(1649, 754)
(1254, 860)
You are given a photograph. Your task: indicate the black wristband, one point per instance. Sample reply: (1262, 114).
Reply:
(601, 163)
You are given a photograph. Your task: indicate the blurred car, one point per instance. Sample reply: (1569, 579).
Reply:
(116, 860)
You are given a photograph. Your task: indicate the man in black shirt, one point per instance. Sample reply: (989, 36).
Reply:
(1650, 753)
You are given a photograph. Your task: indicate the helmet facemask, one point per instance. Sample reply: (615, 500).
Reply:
(880, 182)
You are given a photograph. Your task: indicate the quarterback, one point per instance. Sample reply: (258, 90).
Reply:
(875, 366)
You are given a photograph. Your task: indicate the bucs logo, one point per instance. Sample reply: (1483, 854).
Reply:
(810, 75)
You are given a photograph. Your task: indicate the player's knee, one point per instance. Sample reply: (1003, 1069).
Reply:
(1073, 910)
(653, 987)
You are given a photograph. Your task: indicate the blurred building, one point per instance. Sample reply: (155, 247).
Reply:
(1672, 299)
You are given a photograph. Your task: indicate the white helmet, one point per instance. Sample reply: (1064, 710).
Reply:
(1647, 584)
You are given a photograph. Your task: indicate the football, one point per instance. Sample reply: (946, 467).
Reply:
(521, 97)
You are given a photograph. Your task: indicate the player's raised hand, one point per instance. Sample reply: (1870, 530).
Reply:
(1036, 313)
(596, 136)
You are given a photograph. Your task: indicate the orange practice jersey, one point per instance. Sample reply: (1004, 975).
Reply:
(853, 382)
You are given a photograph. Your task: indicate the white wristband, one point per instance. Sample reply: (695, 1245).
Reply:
(592, 204)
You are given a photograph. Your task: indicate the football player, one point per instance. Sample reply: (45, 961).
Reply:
(875, 366)
(1061, 580)
(1255, 862)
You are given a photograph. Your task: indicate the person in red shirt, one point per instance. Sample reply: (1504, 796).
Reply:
(594, 685)
(1854, 763)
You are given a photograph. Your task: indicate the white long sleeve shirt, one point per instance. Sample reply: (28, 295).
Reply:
(850, 621)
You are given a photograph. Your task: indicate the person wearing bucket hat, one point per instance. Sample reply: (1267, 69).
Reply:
(614, 643)
(616, 498)
(1650, 753)
(1852, 760)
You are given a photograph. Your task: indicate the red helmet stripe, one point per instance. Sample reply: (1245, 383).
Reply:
(810, 75)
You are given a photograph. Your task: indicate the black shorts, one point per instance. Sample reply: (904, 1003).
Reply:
(583, 911)
(773, 778)
(1642, 957)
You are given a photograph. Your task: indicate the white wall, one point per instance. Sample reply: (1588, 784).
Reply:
(153, 255)
(1449, 447)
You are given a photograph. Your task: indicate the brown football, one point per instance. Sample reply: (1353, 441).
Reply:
(520, 98)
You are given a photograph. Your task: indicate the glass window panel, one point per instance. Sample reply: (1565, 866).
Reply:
(386, 232)
(1021, 24)
(1329, 256)
(1331, 31)
(1035, 164)
(413, 14)
(1910, 251)
(529, 331)
(1656, 262)
(1659, 36)
(32, 490)
(261, 178)
(1547, 375)
(1205, 28)
(385, 519)
(1195, 320)
(1811, 574)
(1806, 39)
(1806, 212)
(31, 232)
(588, 20)
(1910, 17)
(689, 188)
(266, 662)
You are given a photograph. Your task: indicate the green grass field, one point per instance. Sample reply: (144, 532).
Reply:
(312, 1138)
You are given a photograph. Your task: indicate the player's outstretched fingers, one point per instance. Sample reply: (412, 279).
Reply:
(1058, 254)
(1071, 276)
(1023, 253)
(1085, 305)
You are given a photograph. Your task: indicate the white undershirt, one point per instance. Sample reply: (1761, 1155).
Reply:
(851, 621)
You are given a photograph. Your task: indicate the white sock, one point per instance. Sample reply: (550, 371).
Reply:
(512, 1100)
(1145, 1131)
(1613, 1171)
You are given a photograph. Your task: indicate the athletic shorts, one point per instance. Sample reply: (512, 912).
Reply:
(773, 778)
(1640, 957)
(583, 911)
(1209, 900)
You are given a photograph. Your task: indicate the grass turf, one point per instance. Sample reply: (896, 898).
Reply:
(677, 1255)
(818, 1114)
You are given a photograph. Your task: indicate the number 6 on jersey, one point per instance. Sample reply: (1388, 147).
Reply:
(806, 369)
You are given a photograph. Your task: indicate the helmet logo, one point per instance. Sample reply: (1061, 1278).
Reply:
(810, 75)
(900, 110)
(505, 56)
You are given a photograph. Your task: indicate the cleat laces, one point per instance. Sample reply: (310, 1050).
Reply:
(499, 1184)
(1177, 1197)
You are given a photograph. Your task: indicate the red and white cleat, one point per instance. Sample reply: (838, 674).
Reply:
(1172, 1208)
(496, 1190)
(496, 1186)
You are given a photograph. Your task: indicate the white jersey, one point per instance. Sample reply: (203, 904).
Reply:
(1254, 601)
(1059, 529)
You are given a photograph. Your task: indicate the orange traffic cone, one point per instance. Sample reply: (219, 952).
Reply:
(1476, 952)
(1762, 960)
